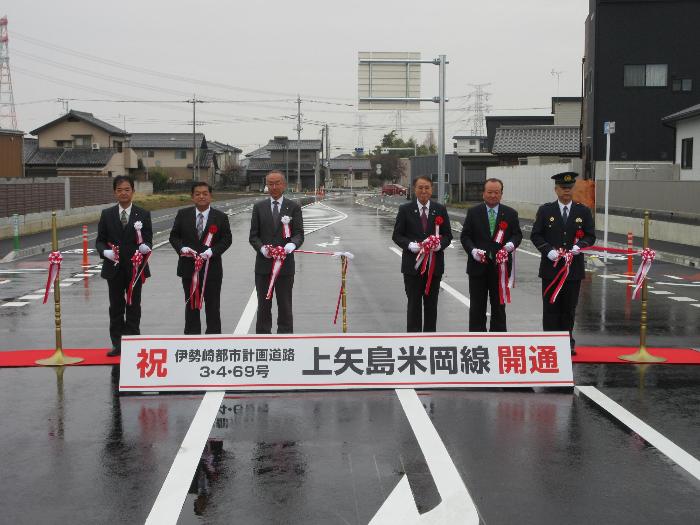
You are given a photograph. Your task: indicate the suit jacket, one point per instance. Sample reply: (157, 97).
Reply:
(184, 233)
(263, 231)
(110, 230)
(408, 229)
(477, 234)
(550, 233)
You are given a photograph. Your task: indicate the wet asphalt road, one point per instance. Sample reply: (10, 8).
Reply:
(75, 452)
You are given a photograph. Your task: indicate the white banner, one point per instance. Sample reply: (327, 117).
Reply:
(344, 361)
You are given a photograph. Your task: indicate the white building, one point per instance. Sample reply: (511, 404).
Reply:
(687, 126)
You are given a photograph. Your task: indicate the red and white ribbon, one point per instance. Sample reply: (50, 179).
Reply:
(207, 242)
(278, 255)
(426, 259)
(286, 230)
(195, 298)
(560, 278)
(139, 238)
(55, 259)
(136, 261)
(647, 258)
(115, 249)
(503, 280)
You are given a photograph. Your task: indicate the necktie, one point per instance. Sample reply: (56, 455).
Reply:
(424, 219)
(275, 212)
(124, 218)
(200, 224)
(492, 220)
(565, 215)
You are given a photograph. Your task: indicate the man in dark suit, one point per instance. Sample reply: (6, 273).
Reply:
(116, 243)
(487, 228)
(190, 231)
(267, 228)
(415, 222)
(568, 225)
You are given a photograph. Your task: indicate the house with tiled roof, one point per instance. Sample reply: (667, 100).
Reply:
(172, 154)
(536, 144)
(78, 143)
(280, 153)
(348, 171)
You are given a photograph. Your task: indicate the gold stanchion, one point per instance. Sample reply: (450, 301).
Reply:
(58, 358)
(642, 355)
(343, 270)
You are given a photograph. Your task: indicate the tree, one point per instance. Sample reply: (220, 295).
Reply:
(159, 179)
(232, 177)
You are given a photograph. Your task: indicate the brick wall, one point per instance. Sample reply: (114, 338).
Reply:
(34, 195)
(88, 191)
(31, 197)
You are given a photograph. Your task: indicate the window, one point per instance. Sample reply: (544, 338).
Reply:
(181, 154)
(149, 153)
(472, 142)
(118, 145)
(646, 75)
(687, 154)
(67, 144)
(683, 84)
(82, 141)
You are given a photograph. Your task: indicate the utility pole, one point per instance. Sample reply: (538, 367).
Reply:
(323, 147)
(298, 143)
(328, 154)
(195, 170)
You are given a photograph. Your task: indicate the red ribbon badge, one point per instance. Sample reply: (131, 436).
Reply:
(55, 259)
(579, 234)
(501, 233)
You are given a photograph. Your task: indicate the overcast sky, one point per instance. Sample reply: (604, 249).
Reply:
(264, 53)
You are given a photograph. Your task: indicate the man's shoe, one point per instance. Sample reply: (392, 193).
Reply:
(114, 352)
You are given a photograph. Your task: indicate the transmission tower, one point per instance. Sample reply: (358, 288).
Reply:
(479, 105)
(8, 115)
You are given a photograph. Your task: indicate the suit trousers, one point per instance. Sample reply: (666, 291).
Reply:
(421, 314)
(560, 315)
(283, 292)
(124, 319)
(212, 302)
(482, 288)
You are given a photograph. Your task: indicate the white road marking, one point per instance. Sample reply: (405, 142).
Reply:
(71, 280)
(14, 303)
(651, 436)
(83, 275)
(689, 285)
(39, 291)
(661, 292)
(683, 299)
(30, 297)
(624, 281)
(66, 285)
(529, 253)
(160, 244)
(674, 277)
(168, 504)
(23, 270)
(4, 281)
(457, 505)
(696, 305)
(610, 276)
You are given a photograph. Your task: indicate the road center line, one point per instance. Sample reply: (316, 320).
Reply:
(651, 436)
(168, 505)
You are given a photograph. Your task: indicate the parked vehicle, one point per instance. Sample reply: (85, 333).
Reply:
(393, 189)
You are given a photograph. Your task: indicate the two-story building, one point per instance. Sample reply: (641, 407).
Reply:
(280, 153)
(348, 171)
(78, 143)
(172, 154)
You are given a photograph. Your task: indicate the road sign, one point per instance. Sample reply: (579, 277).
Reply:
(609, 128)
(360, 151)
(390, 76)
(378, 169)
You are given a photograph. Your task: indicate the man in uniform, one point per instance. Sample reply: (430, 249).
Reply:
(562, 225)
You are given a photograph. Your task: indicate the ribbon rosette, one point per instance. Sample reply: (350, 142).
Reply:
(425, 259)
(207, 242)
(55, 259)
(278, 255)
(286, 230)
(647, 258)
(503, 280)
(501, 233)
(579, 234)
(560, 278)
(143, 260)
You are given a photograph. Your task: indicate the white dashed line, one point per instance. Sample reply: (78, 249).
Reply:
(66, 285)
(30, 297)
(71, 280)
(683, 299)
(624, 281)
(14, 303)
(83, 275)
(674, 277)
(661, 292)
(696, 305)
(4, 281)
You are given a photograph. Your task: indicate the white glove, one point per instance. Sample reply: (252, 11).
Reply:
(289, 247)
(552, 255)
(263, 250)
(478, 254)
(436, 248)
(509, 246)
(414, 247)
(576, 250)
(185, 250)
(109, 254)
(144, 249)
(206, 254)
